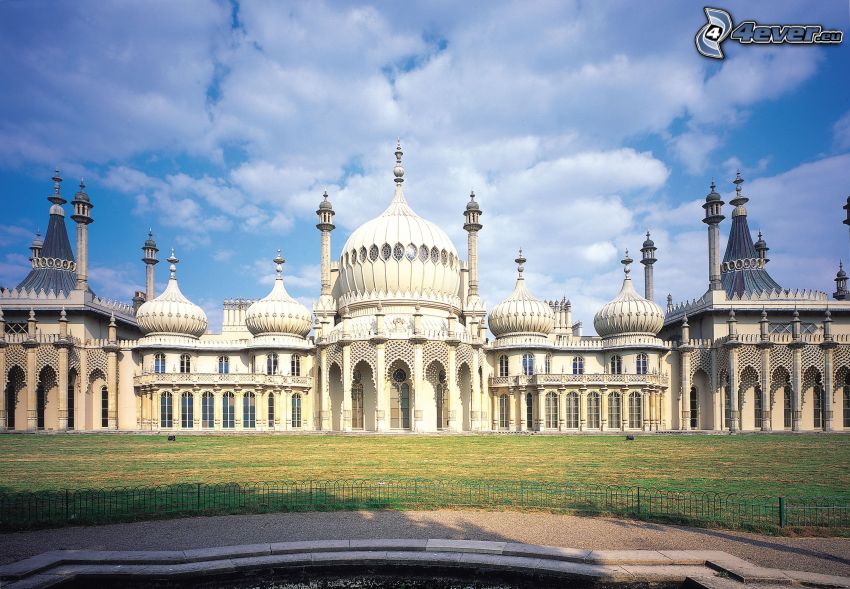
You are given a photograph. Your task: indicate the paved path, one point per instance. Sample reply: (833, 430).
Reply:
(822, 555)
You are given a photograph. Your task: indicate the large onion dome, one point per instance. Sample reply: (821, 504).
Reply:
(278, 313)
(398, 255)
(521, 313)
(629, 313)
(172, 313)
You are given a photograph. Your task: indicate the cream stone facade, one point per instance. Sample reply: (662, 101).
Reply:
(397, 341)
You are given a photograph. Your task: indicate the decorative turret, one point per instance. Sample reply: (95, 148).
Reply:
(629, 313)
(472, 225)
(278, 313)
(762, 249)
(648, 259)
(827, 326)
(35, 246)
(522, 313)
(713, 216)
(732, 326)
(764, 326)
(840, 293)
(743, 269)
(325, 225)
(686, 330)
(149, 251)
(171, 313)
(669, 303)
(82, 217)
(795, 325)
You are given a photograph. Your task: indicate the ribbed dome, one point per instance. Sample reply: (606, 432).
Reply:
(278, 313)
(521, 312)
(628, 313)
(398, 254)
(171, 312)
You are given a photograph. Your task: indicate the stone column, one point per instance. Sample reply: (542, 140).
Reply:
(624, 408)
(32, 383)
(734, 419)
(3, 344)
(381, 386)
(603, 409)
(540, 398)
(156, 410)
(325, 406)
(562, 408)
(766, 408)
(346, 387)
(796, 385)
(416, 396)
(828, 384)
(475, 393)
(217, 412)
(238, 414)
(112, 385)
(176, 407)
(685, 364)
(494, 404)
(197, 409)
(453, 393)
(522, 410)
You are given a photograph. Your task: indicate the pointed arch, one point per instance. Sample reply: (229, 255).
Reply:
(16, 382)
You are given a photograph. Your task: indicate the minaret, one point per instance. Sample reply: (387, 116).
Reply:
(82, 209)
(648, 259)
(762, 249)
(840, 293)
(713, 216)
(325, 225)
(472, 226)
(149, 251)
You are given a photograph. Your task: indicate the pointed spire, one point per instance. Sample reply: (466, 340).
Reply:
(740, 200)
(56, 197)
(520, 264)
(172, 259)
(626, 262)
(278, 265)
(398, 171)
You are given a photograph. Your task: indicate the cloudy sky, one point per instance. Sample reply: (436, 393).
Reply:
(579, 125)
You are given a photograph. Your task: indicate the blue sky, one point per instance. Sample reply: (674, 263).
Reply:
(579, 125)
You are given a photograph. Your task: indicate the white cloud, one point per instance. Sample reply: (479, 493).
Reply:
(841, 131)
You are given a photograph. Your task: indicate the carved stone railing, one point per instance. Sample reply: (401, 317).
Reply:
(214, 378)
(581, 379)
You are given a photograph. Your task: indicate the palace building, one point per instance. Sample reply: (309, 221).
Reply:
(397, 341)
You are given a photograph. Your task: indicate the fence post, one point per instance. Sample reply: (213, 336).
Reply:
(198, 496)
(782, 512)
(638, 501)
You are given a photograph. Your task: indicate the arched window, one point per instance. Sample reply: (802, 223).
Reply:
(104, 407)
(166, 410)
(357, 405)
(552, 410)
(615, 415)
(547, 366)
(529, 411)
(159, 363)
(207, 410)
(727, 405)
(187, 410)
(400, 401)
(818, 404)
(694, 408)
(504, 412)
(786, 406)
(295, 365)
(249, 410)
(616, 365)
(527, 364)
(593, 406)
(503, 365)
(72, 377)
(296, 410)
(224, 364)
(635, 414)
(271, 363)
(270, 405)
(759, 408)
(41, 401)
(228, 410)
(572, 410)
(640, 364)
(847, 405)
(442, 395)
(578, 365)
(185, 363)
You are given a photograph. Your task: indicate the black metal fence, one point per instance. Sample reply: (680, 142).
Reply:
(89, 506)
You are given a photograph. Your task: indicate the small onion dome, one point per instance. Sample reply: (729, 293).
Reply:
(81, 193)
(841, 273)
(171, 312)
(149, 242)
(325, 204)
(713, 195)
(628, 313)
(761, 244)
(278, 313)
(37, 242)
(472, 205)
(648, 242)
(521, 312)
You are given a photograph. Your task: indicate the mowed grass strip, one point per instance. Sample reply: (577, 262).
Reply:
(771, 465)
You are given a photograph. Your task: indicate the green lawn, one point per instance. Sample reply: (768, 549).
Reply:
(752, 464)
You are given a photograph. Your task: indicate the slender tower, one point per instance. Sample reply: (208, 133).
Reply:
(82, 216)
(713, 216)
(472, 216)
(648, 259)
(149, 251)
(326, 225)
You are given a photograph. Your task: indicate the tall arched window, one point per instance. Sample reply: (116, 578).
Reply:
(295, 365)
(552, 410)
(296, 410)
(727, 406)
(270, 410)
(529, 410)
(818, 404)
(185, 363)
(758, 408)
(615, 416)
(442, 394)
(847, 403)
(357, 404)
(527, 364)
(224, 364)
(159, 363)
(72, 377)
(40, 403)
(635, 414)
(166, 410)
(104, 407)
(640, 364)
(572, 410)
(400, 400)
(593, 411)
(547, 366)
(249, 410)
(578, 365)
(187, 410)
(228, 410)
(694, 416)
(503, 365)
(271, 363)
(207, 410)
(616, 365)
(504, 411)
(786, 406)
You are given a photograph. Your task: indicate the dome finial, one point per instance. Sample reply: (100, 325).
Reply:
(626, 262)
(398, 171)
(56, 197)
(279, 261)
(172, 259)
(520, 262)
